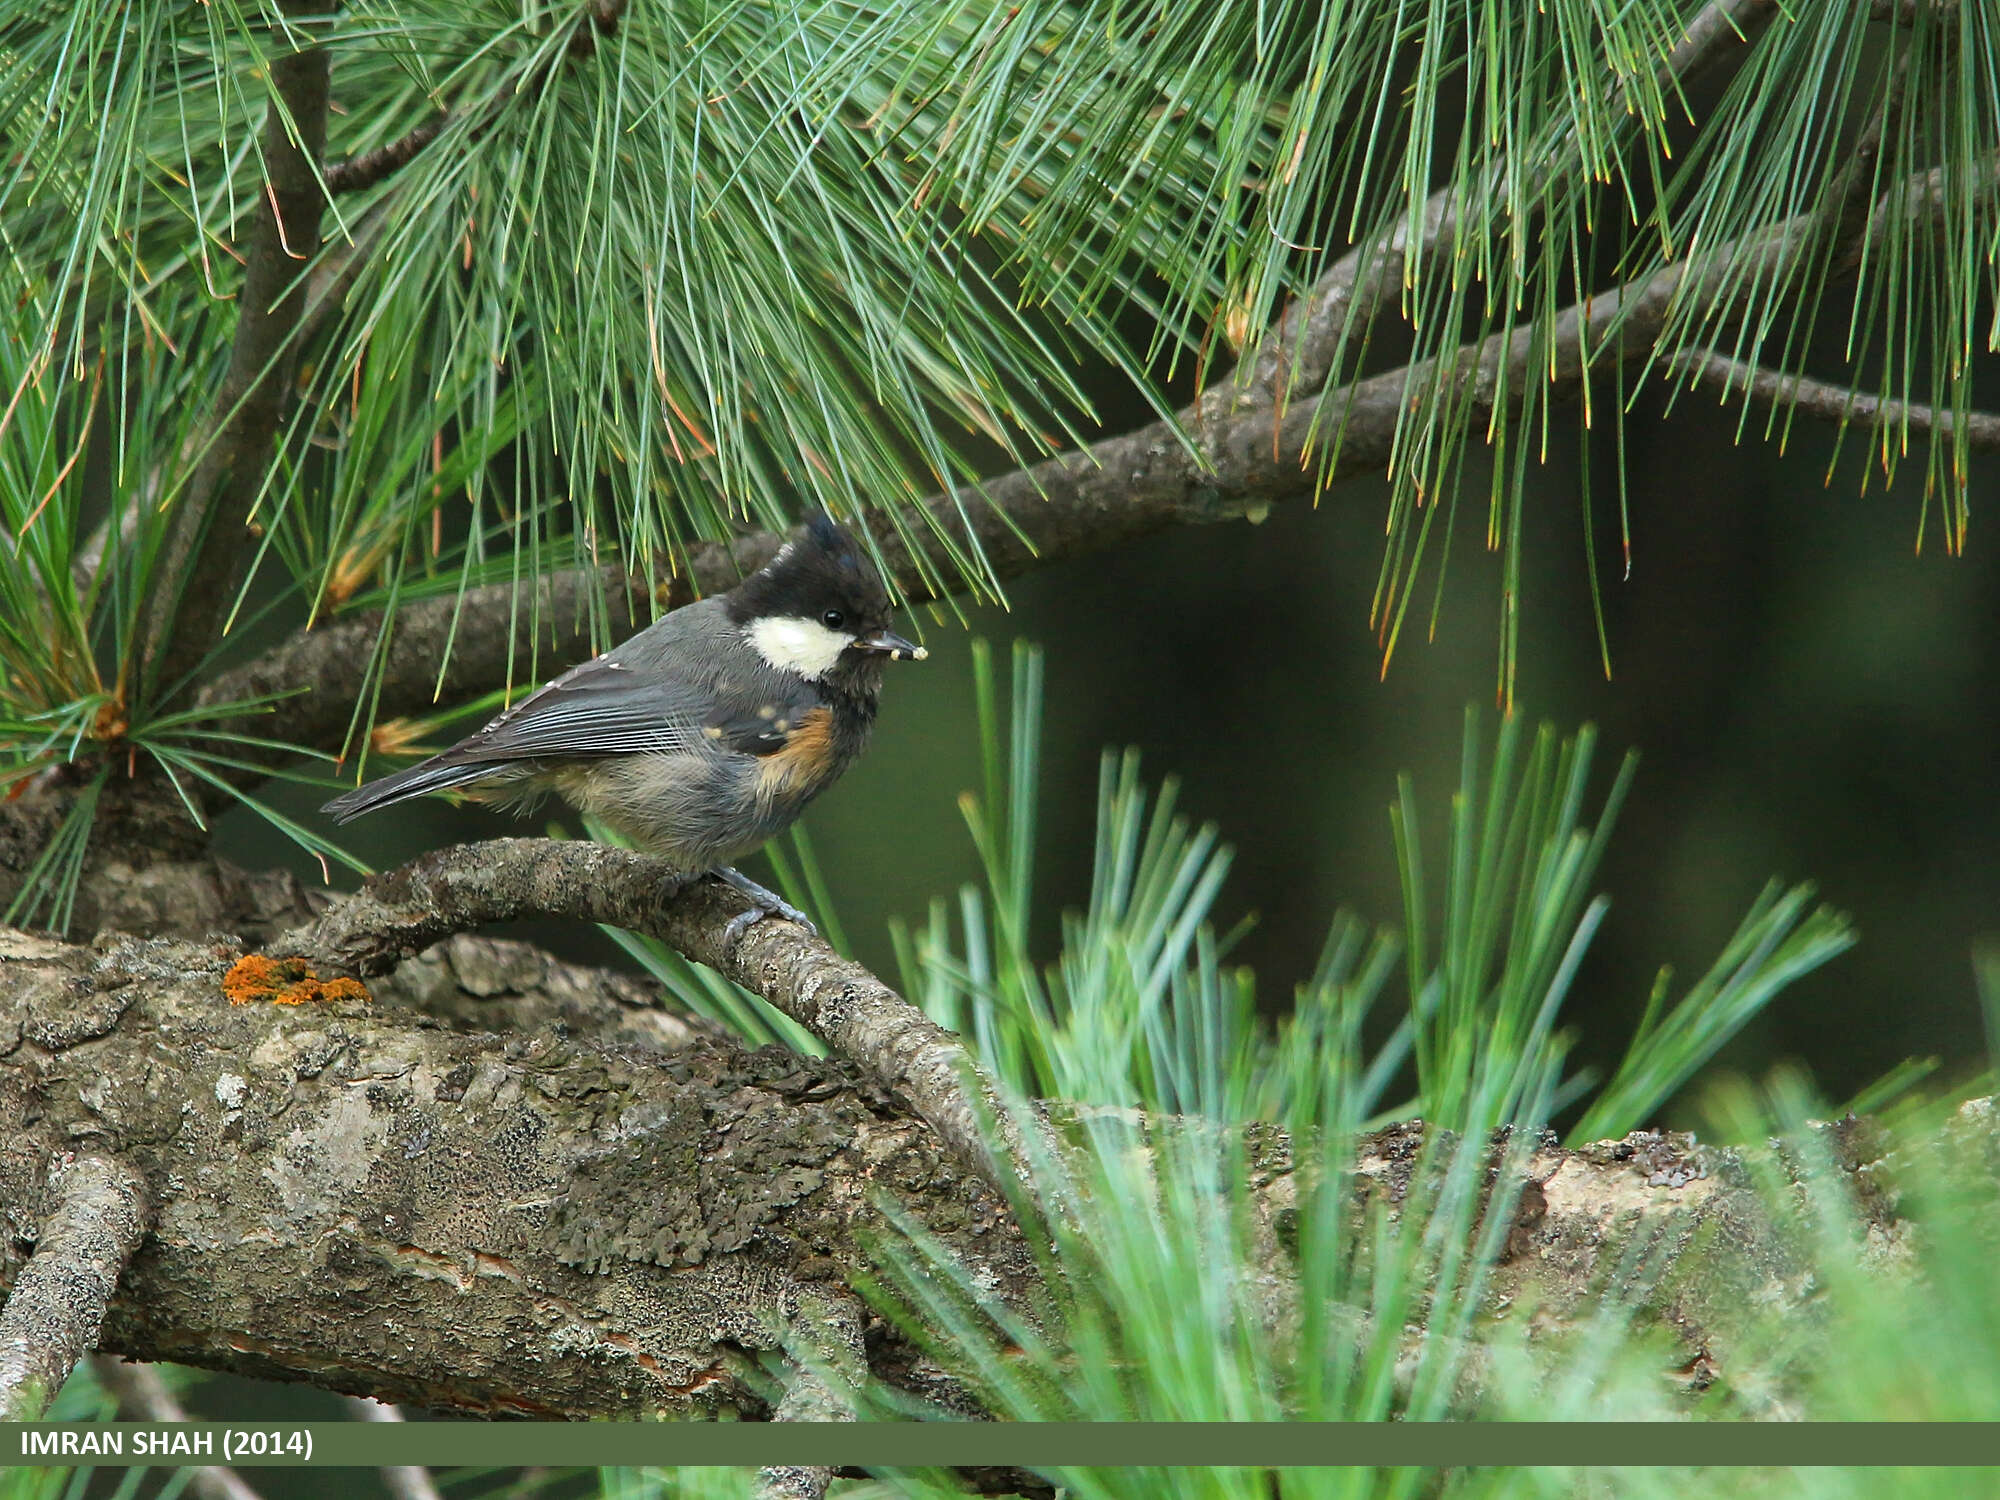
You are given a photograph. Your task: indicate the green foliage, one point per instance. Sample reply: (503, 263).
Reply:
(83, 1399)
(728, 258)
(1172, 1295)
(1141, 1009)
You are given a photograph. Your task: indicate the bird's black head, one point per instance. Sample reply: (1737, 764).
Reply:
(819, 606)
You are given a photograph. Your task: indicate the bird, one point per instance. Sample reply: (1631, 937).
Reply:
(706, 733)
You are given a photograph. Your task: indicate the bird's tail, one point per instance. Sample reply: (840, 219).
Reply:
(433, 775)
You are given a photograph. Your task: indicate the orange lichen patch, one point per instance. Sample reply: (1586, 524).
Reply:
(284, 981)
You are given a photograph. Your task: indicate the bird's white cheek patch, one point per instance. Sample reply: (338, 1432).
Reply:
(794, 645)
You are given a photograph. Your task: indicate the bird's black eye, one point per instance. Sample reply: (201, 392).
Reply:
(833, 619)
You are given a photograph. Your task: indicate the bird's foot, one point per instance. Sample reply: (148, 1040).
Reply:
(765, 903)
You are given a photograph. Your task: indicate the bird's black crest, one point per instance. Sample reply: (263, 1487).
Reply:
(822, 567)
(823, 531)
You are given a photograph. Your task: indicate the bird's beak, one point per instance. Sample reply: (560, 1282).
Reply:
(888, 643)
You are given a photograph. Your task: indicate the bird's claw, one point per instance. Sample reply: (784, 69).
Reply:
(764, 903)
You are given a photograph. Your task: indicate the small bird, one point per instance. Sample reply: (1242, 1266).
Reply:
(708, 731)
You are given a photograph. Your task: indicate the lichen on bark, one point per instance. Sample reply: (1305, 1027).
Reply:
(545, 1223)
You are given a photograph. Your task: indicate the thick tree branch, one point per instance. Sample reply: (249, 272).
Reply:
(545, 1226)
(58, 1303)
(491, 1223)
(1833, 402)
(206, 552)
(897, 1047)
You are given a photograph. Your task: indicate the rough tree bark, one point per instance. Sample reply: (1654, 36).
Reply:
(555, 1221)
(97, 1208)
(896, 1046)
(596, 1209)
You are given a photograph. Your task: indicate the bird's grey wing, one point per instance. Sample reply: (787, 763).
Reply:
(600, 707)
(597, 709)
(625, 702)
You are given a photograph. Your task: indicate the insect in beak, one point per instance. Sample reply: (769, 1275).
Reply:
(888, 643)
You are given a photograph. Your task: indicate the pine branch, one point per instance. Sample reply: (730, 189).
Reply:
(206, 553)
(1021, 518)
(355, 173)
(1833, 402)
(57, 1307)
(491, 629)
(1710, 30)
(1113, 492)
(399, 914)
(1302, 346)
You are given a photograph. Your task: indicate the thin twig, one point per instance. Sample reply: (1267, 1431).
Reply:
(1906, 12)
(1710, 30)
(404, 1481)
(1831, 401)
(59, 1300)
(825, 1363)
(358, 172)
(144, 1397)
(399, 914)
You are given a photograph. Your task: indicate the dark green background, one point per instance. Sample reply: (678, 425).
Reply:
(1811, 697)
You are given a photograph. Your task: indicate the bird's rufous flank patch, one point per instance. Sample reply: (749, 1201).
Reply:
(285, 981)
